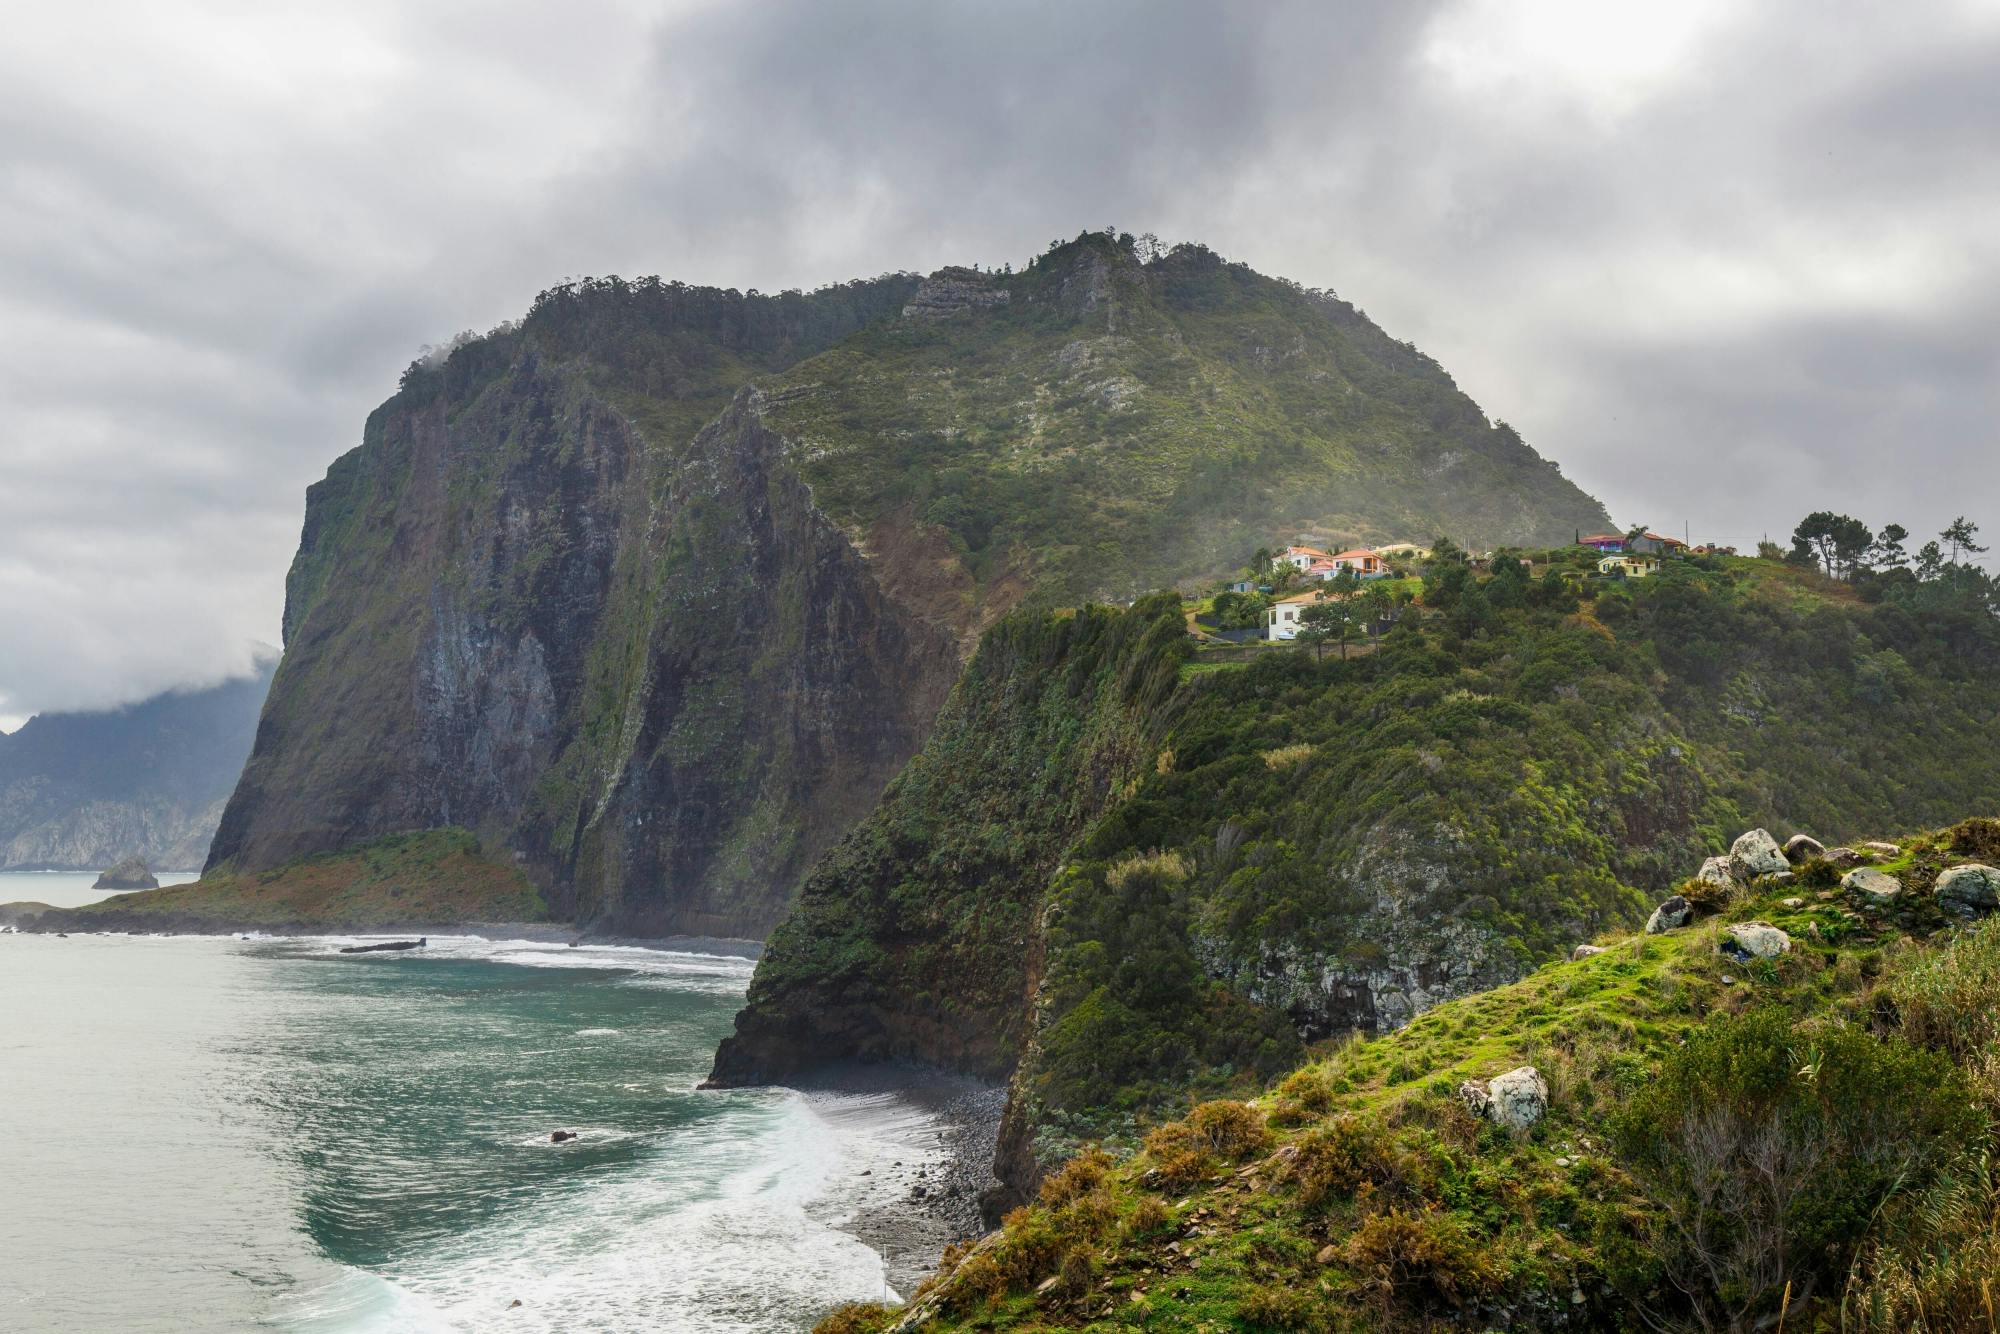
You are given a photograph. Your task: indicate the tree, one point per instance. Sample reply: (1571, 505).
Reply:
(1318, 619)
(1888, 553)
(1962, 535)
(1838, 542)
(1375, 607)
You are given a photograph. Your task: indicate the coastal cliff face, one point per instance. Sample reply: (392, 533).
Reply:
(1282, 853)
(82, 791)
(655, 591)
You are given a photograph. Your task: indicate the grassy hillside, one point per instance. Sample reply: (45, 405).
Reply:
(1299, 849)
(1723, 1142)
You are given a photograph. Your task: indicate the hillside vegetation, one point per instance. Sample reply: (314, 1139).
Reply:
(656, 590)
(1716, 1141)
(1298, 849)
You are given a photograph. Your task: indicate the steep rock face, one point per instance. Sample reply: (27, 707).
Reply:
(80, 791)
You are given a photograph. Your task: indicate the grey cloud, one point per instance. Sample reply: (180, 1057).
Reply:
(1722, 286)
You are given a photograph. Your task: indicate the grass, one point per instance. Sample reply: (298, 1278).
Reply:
(437, 875)
(1359, 1192)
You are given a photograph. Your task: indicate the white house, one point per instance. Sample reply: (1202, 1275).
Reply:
(1302, 558)
(1281, 618)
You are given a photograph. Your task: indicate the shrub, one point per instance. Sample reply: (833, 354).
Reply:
(1284, 757)
(1948, 999)
(1277, 1307)
(1767, 1150)
(1149, 1216)
(1817, 873)
(1977, 837)
(1939, 1264)
(1179, 1155)
(1232, 1129)
(1165, 867)
(1417, 1259)
(1078, 1177)
(1334, 1161)
(857, 1318)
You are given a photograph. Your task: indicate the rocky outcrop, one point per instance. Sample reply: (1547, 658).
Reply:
(1719, 872)
(1745, 941)
(1755, 854)
(128, 874)
(1974, 887)
(1515, 1100)
(1877, 888)
(954, 291)
(1671, 915)
(1803, 847)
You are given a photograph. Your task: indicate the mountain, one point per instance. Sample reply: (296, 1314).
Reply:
(654, 592)
(1124, 871)
(83, 791)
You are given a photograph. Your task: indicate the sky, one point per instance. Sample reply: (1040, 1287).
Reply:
(1727, 263)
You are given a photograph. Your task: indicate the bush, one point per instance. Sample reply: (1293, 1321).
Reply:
(1179, 1155)
(1977, 837)
(1277, 1307)
(1165, 867)
(1149, 1216)
(1336, 1160)
(1768, 1149)
(857, 1318)
(1232, 1129)
(1948, 999)
(1078, 1177)
(1417, 1259)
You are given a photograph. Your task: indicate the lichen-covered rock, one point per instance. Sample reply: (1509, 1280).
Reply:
(1585, 951)
(1757, 853)
(1674, 913)
(1800, 847)
(1975, 886)
(1884, 849)
(1516, 1099)
(1875, 887)
(1754, 940)
(1847, 857)
(1717, 871)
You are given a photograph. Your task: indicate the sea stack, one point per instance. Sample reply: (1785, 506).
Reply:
(128, 874)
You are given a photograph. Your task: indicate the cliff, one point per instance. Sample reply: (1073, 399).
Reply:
(81, 791)
(1282, 853)
(656, 591)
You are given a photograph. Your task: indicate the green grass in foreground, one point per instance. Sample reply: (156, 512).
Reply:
(1716, 1131)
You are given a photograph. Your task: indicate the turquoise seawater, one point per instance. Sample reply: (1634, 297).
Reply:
(203, 1133)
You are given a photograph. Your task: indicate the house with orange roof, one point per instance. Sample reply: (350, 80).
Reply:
(1364, 563)
(1302, 558)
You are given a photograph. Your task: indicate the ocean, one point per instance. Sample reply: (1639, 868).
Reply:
(215, 1133)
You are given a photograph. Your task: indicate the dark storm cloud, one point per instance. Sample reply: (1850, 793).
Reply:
(1725, 263)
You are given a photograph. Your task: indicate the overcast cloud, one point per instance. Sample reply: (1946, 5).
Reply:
(1725, 262)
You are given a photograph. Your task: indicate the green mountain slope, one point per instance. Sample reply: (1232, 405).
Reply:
(1699, 1140)
(1279, 853)
(654, 592)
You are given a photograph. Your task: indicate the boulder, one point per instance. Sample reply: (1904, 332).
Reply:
(561, 1136)
(1754, 940)
(1757, 853)
(1883, 849)
(1974, 885)
(1846, 857)
(1675, 912)
(1515, 1100)
(131, 873)
(1717, 871)
(1585, 951)
(1800, 847)
(1875, 887)
(1783, 877)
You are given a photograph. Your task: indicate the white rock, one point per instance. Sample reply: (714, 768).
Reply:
(1794, 903)
(1675, 912)
(1757, 853)
(1515, 1100)
(1717, 871)
(1755, 940)
(1975, 885)
(1585, 951)
(1877, 887)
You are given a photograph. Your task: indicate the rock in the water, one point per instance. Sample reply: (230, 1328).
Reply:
(1515, 1100)
(561, 1136)
(1975, 885)
(128, 874)
(1718, 871)
(1757, 853)
(1799, 847)
(1845, 857)
(1876, 887)
(1585, 951)
(1674, 913)
(1754, 940)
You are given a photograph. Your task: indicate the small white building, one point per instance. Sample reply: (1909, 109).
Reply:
(1281, 618)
